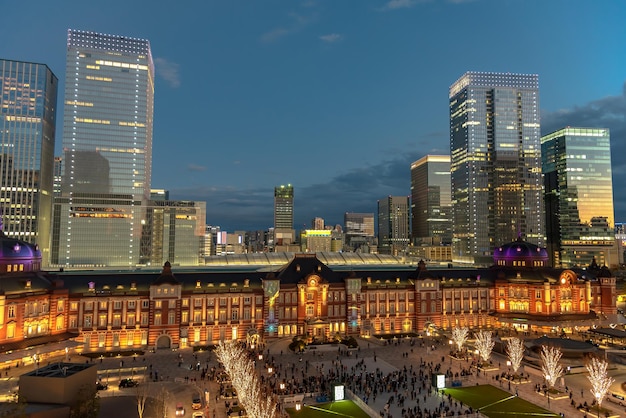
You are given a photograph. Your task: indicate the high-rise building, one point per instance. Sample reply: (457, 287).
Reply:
(579, 197)
(283, 207)
(495, 166)
(107, 145)
(431, 200)
(393, 224)
(317, 223)
(359, 230)
(28, 100)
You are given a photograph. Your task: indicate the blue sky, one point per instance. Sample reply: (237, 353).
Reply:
(334, 97)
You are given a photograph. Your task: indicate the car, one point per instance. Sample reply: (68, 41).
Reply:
(180, 410)
(101, 386)
(128, 383)
(198, 414)
(196, 402)
(618, 398)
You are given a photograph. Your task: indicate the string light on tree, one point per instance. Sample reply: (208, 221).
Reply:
(600, 381)
(515, 352)
(484, 344)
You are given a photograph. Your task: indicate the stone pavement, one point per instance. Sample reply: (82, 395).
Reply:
(178, 372)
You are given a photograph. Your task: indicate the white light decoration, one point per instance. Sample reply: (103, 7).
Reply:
(339, 393)
(240, 369)
(550, 366)
(459, 336)
(515, 352)
(600, 381)
(484, 344)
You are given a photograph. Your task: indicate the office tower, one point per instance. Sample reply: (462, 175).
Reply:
(174, 231)
(495, 165)
(58, 175)
(393, 224)
(317, 223)
(431, 201)
(579, 197)
(28, 100)
(359, 230)
(283, 207)
(107, 145)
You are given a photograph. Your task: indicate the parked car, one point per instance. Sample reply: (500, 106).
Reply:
(180, 410)
(618, 398)
(128, 383)
(196, 402)
(198, 414)
(101, 386)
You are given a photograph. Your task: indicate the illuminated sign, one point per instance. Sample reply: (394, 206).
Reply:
(340, 393)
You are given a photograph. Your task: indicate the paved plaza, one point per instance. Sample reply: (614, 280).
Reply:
(180, 374)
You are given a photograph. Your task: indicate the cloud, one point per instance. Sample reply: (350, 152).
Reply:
(196, 167)
(398, 4)
(297, 22)
(608, 112)
(169, 71)
(331, 38)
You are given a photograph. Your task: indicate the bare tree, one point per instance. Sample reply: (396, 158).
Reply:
(550, 366)
(244, 379)
(160, 404)
(484, 344)
(459, 336)
(515, 352)
(142, 393)
(600, 381)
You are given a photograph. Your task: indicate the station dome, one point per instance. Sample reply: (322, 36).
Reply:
(18, 256)
(520, 253)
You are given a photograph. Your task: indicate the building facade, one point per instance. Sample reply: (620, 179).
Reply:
(28, 101)
(495, 166)
(107, 311)
(359, 230)
(580, 223)
(393, 224)
(283, 207)
(431, 201)
(107, 145)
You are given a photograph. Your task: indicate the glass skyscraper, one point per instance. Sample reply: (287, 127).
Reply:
(495, 152)
(283, 207)
(107, 147)
(579, 197)
(431, 204)
(28, 100)
(393, 224)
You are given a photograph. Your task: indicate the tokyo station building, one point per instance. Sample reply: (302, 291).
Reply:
(45, 312)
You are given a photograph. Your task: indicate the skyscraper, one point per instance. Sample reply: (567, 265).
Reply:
(28, 100)
(431, 200)
(393, 224)
(359, 229)
(283, 207)
(107, 145)
(579, 197)
(495, 164)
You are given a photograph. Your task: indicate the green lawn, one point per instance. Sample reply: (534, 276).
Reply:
(496, 403)
(327, 410)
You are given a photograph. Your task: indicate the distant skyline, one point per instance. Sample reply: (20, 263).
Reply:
(335, 98)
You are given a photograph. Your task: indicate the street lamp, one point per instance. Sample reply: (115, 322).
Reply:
(270, 370)
(298, 406)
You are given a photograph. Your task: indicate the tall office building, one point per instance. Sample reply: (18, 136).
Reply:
(359, 230)
(107, 145)
(579, 197)
(495, 166)
(28, 100)
(283, 207)
(393, 224)
(431, 200)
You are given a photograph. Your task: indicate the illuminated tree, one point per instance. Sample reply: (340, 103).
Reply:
(600, 380)
(459, 336)
(515, 352)
(484, 344)
(550, 366)
(244, 379)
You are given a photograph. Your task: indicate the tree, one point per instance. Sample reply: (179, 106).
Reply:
(87, 404)
(142, 393)
(484, 344)
(515, 351)
(459, 336)
(160, 403)
(550, 366)
(600, 380)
